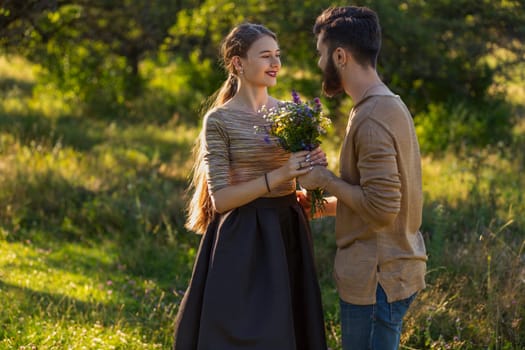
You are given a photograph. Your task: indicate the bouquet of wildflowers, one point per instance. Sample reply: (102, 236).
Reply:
(298, 126)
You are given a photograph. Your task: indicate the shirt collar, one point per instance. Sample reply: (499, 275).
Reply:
(379, 89)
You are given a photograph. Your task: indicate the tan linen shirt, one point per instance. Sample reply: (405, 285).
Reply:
(380, 155)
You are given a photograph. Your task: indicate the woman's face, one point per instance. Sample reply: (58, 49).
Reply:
(262, 62)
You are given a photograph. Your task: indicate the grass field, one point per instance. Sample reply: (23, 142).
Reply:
(93, 253)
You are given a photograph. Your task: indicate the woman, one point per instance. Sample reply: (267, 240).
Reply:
(254, 283)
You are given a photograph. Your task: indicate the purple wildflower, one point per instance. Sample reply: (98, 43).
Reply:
(318, 105)
(267, 139)
(296, 98)
(309, 112)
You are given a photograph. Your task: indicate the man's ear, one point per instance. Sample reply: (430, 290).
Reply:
(340, 57)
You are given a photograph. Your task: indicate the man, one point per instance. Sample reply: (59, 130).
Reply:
(380, 261)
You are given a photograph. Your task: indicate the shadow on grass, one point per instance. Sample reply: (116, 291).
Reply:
(96, 124)
(83, 134)
(80, 134)
(46, 313)
(16, 87)
(52, 306)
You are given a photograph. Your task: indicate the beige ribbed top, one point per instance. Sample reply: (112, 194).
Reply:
(235, 153)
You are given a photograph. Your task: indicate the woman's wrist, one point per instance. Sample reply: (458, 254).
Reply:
(275, 177)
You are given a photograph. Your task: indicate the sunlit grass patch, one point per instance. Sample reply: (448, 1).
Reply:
(80, 296)
(17, 68)
(78, 272)
(67, 334)
(166, 145)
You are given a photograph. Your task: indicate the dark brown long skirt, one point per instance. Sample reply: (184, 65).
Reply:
(254, 284)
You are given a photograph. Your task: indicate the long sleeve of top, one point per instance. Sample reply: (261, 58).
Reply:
(236, 153)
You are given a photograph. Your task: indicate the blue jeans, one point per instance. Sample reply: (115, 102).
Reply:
(373, 327)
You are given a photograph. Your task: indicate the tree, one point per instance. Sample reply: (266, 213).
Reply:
(440, 51)
(89, 44)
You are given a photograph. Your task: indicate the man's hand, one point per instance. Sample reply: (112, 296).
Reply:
(318, 177)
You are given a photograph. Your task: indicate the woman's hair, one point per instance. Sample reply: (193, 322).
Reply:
(354, 28)
(237, 43)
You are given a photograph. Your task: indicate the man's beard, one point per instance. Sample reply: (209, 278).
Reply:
(332, 84)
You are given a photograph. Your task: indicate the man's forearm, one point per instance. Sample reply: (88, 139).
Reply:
(343, 191)
(354, 197)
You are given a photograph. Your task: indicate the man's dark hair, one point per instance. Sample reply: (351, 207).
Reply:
(354, 28)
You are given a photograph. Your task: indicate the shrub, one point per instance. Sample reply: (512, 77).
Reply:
(456, 125)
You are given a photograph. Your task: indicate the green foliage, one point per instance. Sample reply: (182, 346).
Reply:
(475, 243)
(91, 50)
(87, 75)
(439, 52)
(458, 125)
